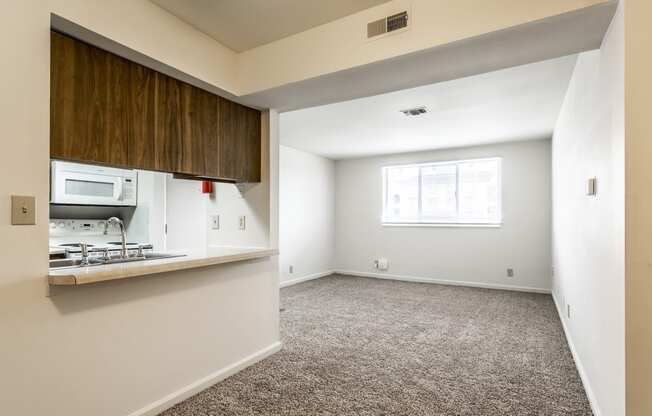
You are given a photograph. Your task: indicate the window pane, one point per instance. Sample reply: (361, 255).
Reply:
(402, 194)
(438, 185)
(478, 191)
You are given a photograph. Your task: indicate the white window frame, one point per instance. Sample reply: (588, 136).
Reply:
(490, 224)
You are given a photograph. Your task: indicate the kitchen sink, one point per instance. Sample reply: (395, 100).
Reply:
(70, 263)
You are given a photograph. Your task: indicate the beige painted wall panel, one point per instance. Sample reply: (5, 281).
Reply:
(342, 44)
(638, 206)
(109, 349)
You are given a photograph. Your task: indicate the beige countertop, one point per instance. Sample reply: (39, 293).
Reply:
(213, 255)
(57, 250)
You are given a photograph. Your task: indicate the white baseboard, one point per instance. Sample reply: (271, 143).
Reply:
(305, 278)
(578, 363)
(417, 279)
(202, 384)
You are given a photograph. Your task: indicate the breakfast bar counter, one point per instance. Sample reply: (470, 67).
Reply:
(73, 276)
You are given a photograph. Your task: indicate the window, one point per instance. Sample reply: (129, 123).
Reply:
(459, 192)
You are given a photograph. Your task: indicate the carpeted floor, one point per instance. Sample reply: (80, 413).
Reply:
(358, 346)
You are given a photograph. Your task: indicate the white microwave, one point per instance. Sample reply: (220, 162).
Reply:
(79, 184)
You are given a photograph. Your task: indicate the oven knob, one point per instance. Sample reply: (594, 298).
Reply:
(61, 224)
(53, 225)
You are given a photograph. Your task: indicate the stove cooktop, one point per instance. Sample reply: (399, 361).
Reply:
(111, 246)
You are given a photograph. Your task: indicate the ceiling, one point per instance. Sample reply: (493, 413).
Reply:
(519, 103)
(246, 24)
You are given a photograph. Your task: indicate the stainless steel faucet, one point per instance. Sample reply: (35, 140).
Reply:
(123, 234)
(84, 254)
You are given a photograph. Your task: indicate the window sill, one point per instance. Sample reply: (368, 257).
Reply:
(440, 225)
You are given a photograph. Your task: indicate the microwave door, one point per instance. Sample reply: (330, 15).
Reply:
(87, 189)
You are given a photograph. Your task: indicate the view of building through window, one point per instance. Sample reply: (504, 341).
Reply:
(466, 192)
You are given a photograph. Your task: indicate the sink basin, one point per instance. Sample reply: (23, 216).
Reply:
(69, 263)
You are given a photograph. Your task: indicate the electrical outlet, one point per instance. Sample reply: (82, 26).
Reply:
(381, 264)
(215, 222)
(510, 272)
(291, 269)
(242, 224)
(568, 311)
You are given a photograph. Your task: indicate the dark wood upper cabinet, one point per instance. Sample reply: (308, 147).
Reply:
(89, 114)
(201, 131)
(239, 141)
(106, 109)
(171, 151)
(142, 140)
(251, 133)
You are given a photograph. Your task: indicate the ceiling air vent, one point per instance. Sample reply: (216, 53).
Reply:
(387, 24)
(416, 111)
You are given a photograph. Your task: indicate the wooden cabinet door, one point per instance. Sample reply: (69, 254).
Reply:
(252, 144)
(239, 142)
(186, 128)
(172, 152)
(142, 96)
(200, 131)
(229, 158)
(89, 104)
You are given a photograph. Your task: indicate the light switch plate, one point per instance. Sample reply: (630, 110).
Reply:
(592, 187)
(23, 210)
(242, 223)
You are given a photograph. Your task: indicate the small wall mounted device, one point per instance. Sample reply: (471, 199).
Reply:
(591, 189)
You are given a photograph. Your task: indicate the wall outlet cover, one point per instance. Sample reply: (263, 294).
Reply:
(215, 222)
(381, 264)
(23, 210)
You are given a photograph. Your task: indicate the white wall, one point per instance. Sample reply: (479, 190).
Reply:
(185, 215)
(113, 348)
(473, 255)
(189, 211)
(588, 232)
(307, 214)
(148, 219)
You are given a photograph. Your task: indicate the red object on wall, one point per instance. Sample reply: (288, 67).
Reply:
(206, 187)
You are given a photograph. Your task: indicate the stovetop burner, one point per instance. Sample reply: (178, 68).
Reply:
(75, 245)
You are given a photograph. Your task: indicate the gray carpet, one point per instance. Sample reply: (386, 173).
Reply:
(358, 346)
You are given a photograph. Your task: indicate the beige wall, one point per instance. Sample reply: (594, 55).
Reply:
(114, 348)
(342, 44)
(638, 206)
(143, 26)
(146, 28)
